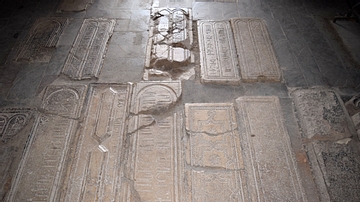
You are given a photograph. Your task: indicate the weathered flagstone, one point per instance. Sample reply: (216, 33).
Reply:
(214, 153)
(217, 53)
(269, 161)
(42, 39)
(322, 114)
(86, 56)
(12, 121)
(41, 168)
(74, 5)
(96, 168)
(257, 58)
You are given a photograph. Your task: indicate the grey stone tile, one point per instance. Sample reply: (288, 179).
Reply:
(139, 20)
(122, 25)
(70, 31)
(265, 89)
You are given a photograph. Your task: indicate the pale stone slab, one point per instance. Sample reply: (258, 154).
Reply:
(41, 169)
(86, 56)
(95, 172)
(74, 5)
(214, 153)
(42, 39)
(257, 58)
(269, 161)
(217, 53)
(12, 121)
(322, 114)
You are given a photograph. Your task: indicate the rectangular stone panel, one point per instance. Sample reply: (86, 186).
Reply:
(41, 40)
(86, 56)
(322, 114)
(217, 53)
(41, 169)
(95, 174)
(214, 153)
(269, 161)
(255, 52)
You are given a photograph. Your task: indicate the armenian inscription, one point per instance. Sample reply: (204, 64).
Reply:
(257, 58)
(42, 40)
(272, 171)
(95, 174)
(217, 53)
(86, 56)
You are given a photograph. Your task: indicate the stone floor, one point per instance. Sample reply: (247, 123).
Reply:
(179, 100)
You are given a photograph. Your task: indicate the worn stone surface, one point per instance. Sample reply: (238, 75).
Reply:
(12, 121)
(43, 164)
(42, 39)
(257, 58)
(86, 56)
(338, 168)
(268, 157)
(322, 114)
(96, 166)
(74, 5)
(213, 152)
(218, 58)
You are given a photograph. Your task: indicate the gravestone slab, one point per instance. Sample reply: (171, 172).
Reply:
(214, 153)
(268, 157)
(95, 171)
(41, 169)
(217, 53)
(255, 52)
(322, 114)
(86, 56)
(41, 40)
(74, 5)
(12, 121)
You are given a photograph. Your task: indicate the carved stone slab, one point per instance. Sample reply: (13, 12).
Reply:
(86, 56)
(153, 162)
(12, 121)
(41, 168)
(42, 39)
(322, 114)
(74, 5)
(95, 174)
(214, 153)
(257, 58)
(217, 53)
(269, 161)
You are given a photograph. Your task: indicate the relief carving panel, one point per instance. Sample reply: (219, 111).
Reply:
(12, 121)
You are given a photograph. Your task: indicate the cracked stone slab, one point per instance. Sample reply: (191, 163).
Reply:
(95, 171)
(12, 121)
(336, 167)
(322, 114)
(214, 153)
(41, 40)
(255, 51)
(268, 157)
(218, 58)
(74, 5)
(86, 56)
(41, 169)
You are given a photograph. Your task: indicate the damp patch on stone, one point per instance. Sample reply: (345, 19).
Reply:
(169, 45)
(41, 40)
(322, 114)
(86, 56)
(74, 5)
(218, 58)
(255, 51)
(269, 161)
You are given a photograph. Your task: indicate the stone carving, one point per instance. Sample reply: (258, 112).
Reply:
(74, 5)
(42, 39)
(322, 114)
(218, 58)
(169, 45)
(41, 168)
(269, 161)
(95, 172)
(12, 121)
(214, 148)
(86, 56)
(257, 58)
